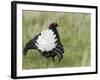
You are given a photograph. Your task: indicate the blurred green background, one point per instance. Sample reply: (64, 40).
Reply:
(74, 32)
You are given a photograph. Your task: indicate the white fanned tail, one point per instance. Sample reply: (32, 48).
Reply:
(46, 41)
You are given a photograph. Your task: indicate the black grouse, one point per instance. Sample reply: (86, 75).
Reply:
(47, 43)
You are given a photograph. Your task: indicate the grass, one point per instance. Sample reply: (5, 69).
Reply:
(74, 32)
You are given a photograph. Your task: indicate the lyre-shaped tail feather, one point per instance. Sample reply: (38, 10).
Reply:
(25, 50)
(29, 45)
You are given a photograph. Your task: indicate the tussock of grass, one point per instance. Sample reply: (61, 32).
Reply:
(74, 32)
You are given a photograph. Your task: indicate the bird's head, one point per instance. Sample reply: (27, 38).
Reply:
(53, 24)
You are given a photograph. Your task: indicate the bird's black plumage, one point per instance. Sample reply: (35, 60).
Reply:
(57, 51)
(31, 44)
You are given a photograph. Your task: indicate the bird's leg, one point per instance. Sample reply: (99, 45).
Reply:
(53, 60)
(53, 57)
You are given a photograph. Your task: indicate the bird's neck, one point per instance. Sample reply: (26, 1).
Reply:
(55, 32)
(53, 28)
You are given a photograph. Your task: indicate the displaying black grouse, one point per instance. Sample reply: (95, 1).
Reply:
(47, 43)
